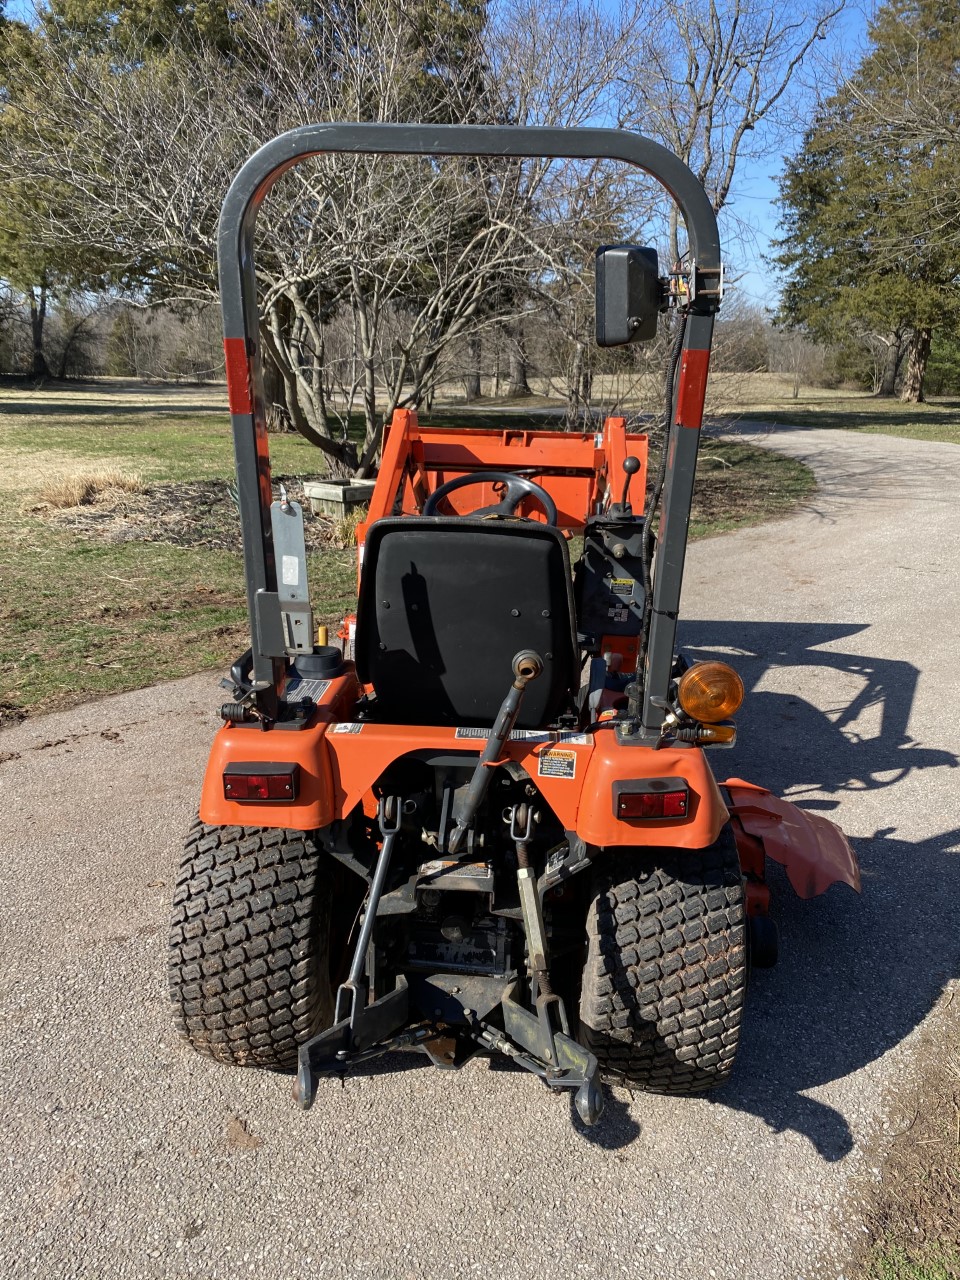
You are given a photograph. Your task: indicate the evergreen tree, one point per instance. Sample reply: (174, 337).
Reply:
(864, 247)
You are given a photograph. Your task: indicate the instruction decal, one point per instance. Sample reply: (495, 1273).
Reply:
(302, 690)
(347, 726)
(518, 735)
(556, 762)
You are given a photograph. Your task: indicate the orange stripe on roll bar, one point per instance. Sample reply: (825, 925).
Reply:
(692, 390)
(238, 375)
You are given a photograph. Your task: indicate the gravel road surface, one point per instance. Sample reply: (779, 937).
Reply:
(126, 1155)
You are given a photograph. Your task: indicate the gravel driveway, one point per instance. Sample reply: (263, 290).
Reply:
(126, 1155)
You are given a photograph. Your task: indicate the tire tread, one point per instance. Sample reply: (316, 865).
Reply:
(661, 1003)
(248, 960)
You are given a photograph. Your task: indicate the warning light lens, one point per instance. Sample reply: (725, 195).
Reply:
(261, 782)
(718, 735)
(710, 692)
(652, 804)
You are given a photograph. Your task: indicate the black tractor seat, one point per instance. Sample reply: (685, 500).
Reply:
(447, 602)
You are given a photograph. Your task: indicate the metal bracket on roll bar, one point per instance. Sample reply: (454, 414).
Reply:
(705, 283)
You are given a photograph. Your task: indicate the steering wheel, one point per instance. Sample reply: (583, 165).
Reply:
(518, 488)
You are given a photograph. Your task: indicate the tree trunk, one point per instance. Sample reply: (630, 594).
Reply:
(67, 349)
(918, 354)
(891, 363)
(368, 384)
(517, 387)
(38, 314)
(274, 397)
(674, 235)
(341, 454)
(471, 381)
(574, 388)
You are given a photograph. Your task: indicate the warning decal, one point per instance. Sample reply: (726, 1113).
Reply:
(557, 763)
(622, 586)
(346, 726)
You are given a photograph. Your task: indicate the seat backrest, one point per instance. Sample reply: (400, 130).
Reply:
(445, 605)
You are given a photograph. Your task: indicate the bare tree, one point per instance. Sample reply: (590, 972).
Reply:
(886, 353)
(713, 82)
(412, 252)
(792, 352)
(373, 269)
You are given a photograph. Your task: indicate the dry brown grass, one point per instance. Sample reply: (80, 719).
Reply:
(86, 488)
(343, 529)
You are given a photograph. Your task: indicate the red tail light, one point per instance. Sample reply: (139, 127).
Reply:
(261, 782)
(651, 798)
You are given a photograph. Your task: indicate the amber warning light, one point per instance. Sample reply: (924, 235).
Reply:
(710, 692)
(261, 782)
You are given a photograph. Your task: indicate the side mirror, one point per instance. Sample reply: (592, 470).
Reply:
(628, 294)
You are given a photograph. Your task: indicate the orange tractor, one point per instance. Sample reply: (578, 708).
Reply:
(487, 822)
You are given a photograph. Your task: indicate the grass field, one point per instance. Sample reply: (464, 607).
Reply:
(769, 397)
(82, 616)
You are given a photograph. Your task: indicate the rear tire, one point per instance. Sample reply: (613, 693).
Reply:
(249, 960)
(666, 968)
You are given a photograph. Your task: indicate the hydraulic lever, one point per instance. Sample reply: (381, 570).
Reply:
(527, 665)
(631, 466)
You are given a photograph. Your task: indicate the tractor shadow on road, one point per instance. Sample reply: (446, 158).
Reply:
(856, 973)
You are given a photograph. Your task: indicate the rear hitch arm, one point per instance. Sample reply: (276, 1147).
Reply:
(576, 1068)
(546, 1035)
(357, 1025)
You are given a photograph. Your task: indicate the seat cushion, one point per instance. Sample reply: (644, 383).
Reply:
(445, 605)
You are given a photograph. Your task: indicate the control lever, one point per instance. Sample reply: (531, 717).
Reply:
(527, 665)
(631, 466)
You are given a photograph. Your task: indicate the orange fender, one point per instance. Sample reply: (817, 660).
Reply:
(814, 850)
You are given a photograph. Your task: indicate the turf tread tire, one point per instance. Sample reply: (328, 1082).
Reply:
(248, 964)
(666, 969)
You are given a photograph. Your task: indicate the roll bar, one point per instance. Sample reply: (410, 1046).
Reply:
(238, 297)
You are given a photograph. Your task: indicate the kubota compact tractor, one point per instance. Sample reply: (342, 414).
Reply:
(486, 824)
